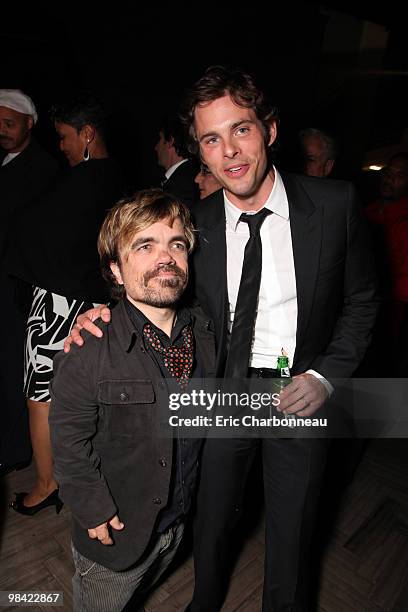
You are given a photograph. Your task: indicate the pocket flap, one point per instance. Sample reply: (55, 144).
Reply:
(125, 392)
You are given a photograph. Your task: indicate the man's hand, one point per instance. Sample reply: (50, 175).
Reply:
(303, 396)
(85, 321)
(101, 532)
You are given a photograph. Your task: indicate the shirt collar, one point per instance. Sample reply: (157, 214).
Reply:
(277, 202)
(173, 168)
(139, 320)
(9, 157)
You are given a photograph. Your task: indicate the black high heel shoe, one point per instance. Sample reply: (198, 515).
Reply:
(51, 500)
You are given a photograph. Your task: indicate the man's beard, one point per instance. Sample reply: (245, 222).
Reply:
(177, 284)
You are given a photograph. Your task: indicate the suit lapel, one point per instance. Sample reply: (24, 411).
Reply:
(306, 230)
(211, 263)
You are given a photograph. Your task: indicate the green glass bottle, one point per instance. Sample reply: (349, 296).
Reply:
(283, 379)
(282, 367)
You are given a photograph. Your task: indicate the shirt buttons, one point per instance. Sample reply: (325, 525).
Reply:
(162, 462)
(123, 397)
(157, 501)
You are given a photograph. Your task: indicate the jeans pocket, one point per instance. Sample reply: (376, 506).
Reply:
(83, 565)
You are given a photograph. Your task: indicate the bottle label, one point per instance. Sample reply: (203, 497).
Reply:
(285, 373)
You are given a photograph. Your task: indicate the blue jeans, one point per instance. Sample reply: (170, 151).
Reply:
(99, 589)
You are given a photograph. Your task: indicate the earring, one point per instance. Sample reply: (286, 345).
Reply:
(87, 155)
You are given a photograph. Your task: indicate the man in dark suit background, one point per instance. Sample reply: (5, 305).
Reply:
(316, 300)
(172, 155)
(26, 171)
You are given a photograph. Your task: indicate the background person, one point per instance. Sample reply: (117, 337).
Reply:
(318, 152)
(173, 157)
(26, 171)
(207, 183)
(61, 262)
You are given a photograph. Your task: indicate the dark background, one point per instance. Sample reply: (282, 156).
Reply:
(341, 66)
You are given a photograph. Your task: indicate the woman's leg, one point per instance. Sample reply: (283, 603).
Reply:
(40, 441)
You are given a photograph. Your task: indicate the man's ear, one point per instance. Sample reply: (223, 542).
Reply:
(30, 122)
(273, 132)
(328, 167)
(116, 272)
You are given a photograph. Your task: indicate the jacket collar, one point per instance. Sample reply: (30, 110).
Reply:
(128, 334)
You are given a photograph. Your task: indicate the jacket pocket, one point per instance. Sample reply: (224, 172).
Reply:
(127, 407)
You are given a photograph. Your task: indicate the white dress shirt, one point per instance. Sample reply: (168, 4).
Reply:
(276, 316)
(9, 157)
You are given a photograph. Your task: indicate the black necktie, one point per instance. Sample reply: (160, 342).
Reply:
(246, 306)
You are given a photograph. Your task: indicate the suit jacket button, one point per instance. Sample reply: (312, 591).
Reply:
(157, 500)
(162, 462)
(123, 397)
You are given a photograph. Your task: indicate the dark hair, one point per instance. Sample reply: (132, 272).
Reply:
(328, 140)
(83, 109)
(172, 128)
(219, 81)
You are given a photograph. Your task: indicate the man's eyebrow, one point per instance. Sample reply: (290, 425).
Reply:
(149, 239)
(141, 240)
(180, 238)
(207, 135)
(234, 126)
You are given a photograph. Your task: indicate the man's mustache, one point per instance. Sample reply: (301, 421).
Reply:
(165, 268)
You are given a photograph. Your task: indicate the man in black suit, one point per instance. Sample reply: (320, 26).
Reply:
(173, 157)
(26, 171)
(315, 297)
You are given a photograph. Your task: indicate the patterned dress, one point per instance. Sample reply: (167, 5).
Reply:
(50, 321)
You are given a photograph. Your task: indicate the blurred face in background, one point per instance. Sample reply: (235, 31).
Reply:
(15, 130)
(207, 183)
(72, 143)
(394, 179)
(315, 159)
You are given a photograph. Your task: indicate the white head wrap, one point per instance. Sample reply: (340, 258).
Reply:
(18, 101)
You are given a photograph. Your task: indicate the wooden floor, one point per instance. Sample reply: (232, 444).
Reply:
(362, 544)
